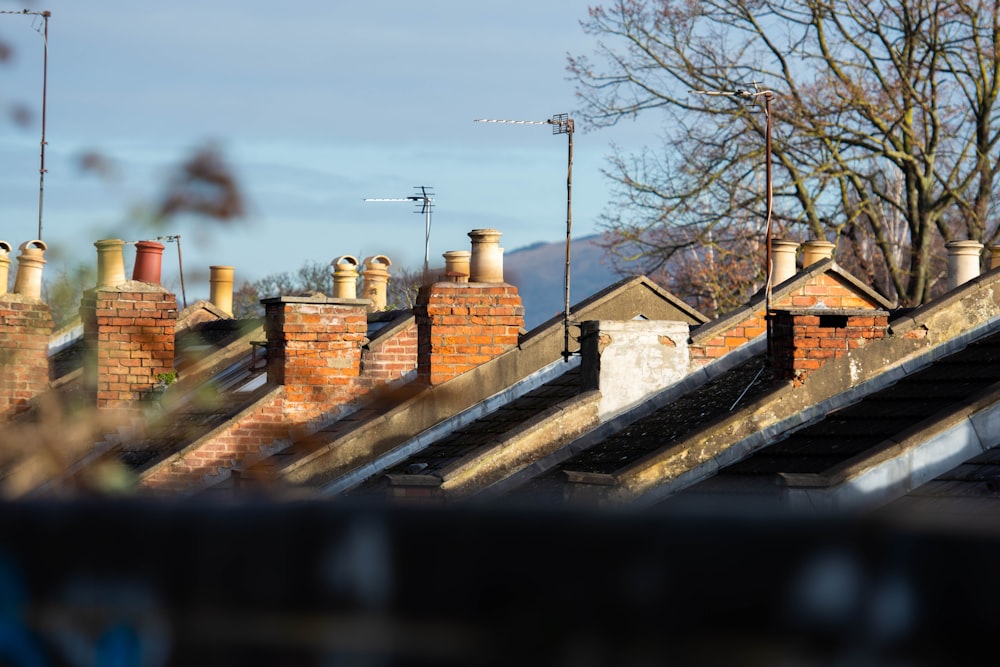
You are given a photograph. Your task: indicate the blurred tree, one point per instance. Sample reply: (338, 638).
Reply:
(884, 126)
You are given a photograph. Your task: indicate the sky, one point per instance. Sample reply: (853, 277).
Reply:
(317, 106)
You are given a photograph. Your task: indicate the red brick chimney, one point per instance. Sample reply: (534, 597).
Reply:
(25, 327)
(803, 340)
(314, 350)
(463, 325)
(128, 330)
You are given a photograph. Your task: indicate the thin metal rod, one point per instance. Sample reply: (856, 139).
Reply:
(569, 226)
(770, 202)
(45, 85)
(176, 238)
(180, 267)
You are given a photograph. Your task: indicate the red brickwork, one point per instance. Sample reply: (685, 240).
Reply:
(803, 341)
(463, 325)
(824, 291)
(25, 327)
(390, 359)
(129, 337)
(246, 436)
(314, 350)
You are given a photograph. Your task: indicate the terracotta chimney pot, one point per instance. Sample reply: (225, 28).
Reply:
(486, 260)
(148, 262)
(456, 265)
(28, 281)
(345, 277)
(110, 263)
(220, 282)
(994, 256)
(4, 266)
(783, 260)
(816, 250)
(963, 261)
(376, 280)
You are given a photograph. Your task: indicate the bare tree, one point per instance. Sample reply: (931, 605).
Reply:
(884, 126)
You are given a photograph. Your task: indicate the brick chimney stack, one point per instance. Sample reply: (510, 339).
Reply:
(128, 330)
(461, 325)
(314, 350)
(25, 327)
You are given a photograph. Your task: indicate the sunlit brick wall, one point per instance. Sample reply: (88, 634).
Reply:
(129, 338)
(464, 325)
(25, 327)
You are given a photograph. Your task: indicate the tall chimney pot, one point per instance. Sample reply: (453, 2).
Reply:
(456, 266)
(28, 281)
(376, 279)
(110, 263)
(783, 259)
(220, 282)
(148, 262)
(963, 261)
(4, 266)
(345, 277)
(486, 260)
(816, 250)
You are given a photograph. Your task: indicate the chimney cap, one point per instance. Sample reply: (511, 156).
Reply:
(378, 259)
(345, 259)
(5, 247)
(34, 247)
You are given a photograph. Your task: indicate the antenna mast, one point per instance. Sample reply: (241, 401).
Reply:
(425, 198)
(45, 82)
(561, 124)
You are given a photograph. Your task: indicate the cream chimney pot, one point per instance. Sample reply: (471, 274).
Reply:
(963, 261)
(345, 277)
(110, 263)
(456, 265)
(816, 251)
(4, 266)
(28, 281)
(486, 260)
(220, 281)
(783, 260)
(994, 256)
(376, 279)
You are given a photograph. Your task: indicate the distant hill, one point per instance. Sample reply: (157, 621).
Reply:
(537, 270)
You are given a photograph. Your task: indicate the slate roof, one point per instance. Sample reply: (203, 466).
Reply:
(650, 433)
(481, 434)
(867, 426)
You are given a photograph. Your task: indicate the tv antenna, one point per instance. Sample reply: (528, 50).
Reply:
(426, 199)
(561, 124)
(44, 32)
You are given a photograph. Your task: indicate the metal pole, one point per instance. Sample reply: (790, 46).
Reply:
(569, 225)
(180, 267)
(45, 85)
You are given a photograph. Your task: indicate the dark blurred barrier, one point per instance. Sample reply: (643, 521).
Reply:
(143, 583)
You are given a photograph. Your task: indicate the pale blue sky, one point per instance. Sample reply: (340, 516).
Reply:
(318, 105)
